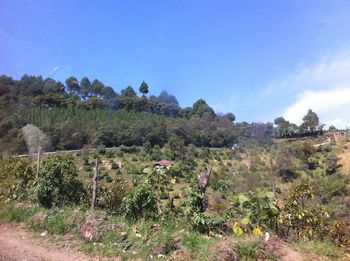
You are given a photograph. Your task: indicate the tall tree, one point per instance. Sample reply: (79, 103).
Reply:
(201, 107)
(167, 98)
(311, 121)
(128, 92)
(97, 87)
(85, 85)
(144, 88)
(108, 93)
(73, 85)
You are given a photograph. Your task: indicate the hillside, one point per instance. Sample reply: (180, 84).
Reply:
(238, 205)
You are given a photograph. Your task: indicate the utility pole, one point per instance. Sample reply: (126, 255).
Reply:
(94, 185)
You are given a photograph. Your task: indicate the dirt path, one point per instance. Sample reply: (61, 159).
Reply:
(16, 244)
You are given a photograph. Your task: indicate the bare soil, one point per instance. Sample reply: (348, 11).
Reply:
(16, 244)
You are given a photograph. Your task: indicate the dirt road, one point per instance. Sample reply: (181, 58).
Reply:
(16, 244)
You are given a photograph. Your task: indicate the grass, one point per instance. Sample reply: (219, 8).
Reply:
(319, 248)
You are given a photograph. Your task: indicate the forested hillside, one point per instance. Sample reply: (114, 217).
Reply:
(84, 112)
(175, 180)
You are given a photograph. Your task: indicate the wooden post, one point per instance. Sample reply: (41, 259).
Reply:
(94, 185)
(38, 164)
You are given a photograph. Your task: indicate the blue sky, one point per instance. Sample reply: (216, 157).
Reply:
(258, 59)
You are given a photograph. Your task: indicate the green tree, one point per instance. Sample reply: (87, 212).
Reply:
(140, 202)
(201, 107)
(144, 88)
(165, 97)
(58, 184)
(128, 92)
(97, 87)
(85, 85)
(230, 116)
(73, 85)
(311, 121)
(108, 93)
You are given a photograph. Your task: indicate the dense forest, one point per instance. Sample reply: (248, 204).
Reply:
(86, 112)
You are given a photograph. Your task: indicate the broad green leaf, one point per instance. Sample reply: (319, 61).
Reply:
(245, 221)
(242, 199)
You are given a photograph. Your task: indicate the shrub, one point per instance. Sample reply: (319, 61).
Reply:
(101, 149)
(222, 185)
(114, 165)
(139, 203)
(331, 162)
(111, 197)
(110, 154)
(16, 178)
(302, 217)
(87, 168)
(57, 183)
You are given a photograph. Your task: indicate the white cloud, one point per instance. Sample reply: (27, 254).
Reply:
(332, 106)
(323, 86)
(327, 72)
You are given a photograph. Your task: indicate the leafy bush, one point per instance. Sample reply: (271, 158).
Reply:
(110, 198)
(222, 185)
(114, 165)
(57, 184)
(140, 202)
(303, 217)
(87, 168)
(101, 149)
(331, 162)
(109, 154)
(16, 178)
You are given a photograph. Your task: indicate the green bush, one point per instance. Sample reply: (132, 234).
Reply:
(57, 184)
(222, 185)
(101, 149)
(110, 154)
(111, 197)
(16, 178)
(87, 168)
(140, 202)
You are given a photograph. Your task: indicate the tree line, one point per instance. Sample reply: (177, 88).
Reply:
(84, 112)
(88, 112)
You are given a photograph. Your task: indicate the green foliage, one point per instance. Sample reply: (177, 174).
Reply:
(111, 197)
(16, 178)
(310, 121)
(331, 164)
(58, 184)
(303, 217)
(140, 202)
(257, 209)
(192, 241)
(222, 185)
(175, 148)
(320, 248)
(248, 250)
(285, 165)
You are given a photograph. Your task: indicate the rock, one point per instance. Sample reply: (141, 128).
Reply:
(222, 251)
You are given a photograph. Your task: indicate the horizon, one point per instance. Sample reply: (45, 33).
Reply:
(257, 60)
